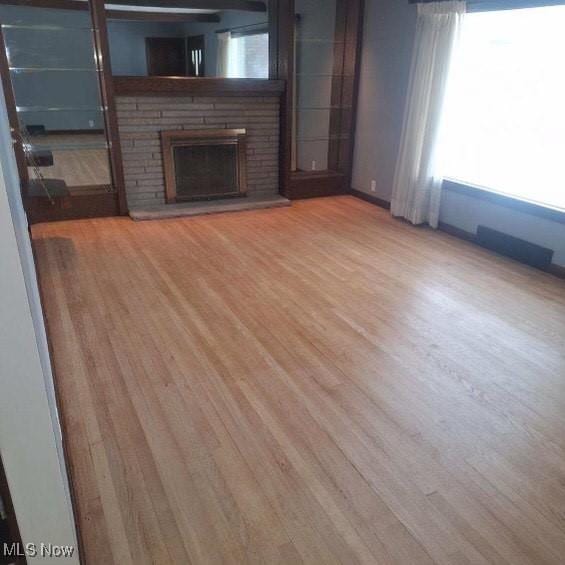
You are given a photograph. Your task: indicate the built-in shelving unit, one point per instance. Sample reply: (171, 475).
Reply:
(51, 66)
(322, 58)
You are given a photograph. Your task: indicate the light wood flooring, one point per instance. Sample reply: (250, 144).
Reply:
(79, 159)
(317, 384)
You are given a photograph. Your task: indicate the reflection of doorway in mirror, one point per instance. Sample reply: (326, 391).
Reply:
(166, 56)
(195, 50)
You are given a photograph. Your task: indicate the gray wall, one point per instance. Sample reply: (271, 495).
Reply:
(389, 31)
(388, 36)
(127, 44)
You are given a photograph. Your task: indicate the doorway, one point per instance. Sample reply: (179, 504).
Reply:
(195, 51)
(166, 56)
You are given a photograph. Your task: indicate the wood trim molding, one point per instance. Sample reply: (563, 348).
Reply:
(311, 184)
(102, 49)
(53, 4)
(162, 17)
(381, 203)
(74, 132)
(190, 86)
(352, 64)
(281, 39)
(243, 5)
(457, 232)
(551, 214)
(72, 207)
(557, 270)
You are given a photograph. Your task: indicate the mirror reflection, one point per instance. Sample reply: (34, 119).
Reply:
(61, 126)
(323, 86)
(228, 44)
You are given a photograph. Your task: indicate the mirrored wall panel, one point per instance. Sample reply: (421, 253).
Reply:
(55, 81)
(228, 44)
(322, 79)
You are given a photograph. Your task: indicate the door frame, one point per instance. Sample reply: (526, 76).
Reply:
(30, 435)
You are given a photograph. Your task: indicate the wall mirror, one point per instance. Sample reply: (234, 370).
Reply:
(50, 65)
(324, 49)
(191, 43)
(323, 79)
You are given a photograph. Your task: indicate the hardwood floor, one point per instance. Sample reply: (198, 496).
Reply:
(81, 160)
(317, 384)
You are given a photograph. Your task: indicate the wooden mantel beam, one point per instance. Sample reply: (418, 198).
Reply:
(132, 16)
(244, 5)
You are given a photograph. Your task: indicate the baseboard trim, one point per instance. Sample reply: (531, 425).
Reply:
(557, 270)
(371, 199)
(457, 232)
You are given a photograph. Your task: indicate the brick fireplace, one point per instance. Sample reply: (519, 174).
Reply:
(143, 118)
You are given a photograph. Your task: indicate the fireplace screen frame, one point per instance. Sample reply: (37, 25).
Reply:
(186, 138)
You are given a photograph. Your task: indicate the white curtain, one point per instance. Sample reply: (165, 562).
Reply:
(222, 61)
(417, 181)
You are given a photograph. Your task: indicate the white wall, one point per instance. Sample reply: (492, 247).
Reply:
(30, 436)
(389, 29)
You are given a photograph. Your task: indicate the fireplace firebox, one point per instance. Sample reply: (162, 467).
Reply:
(204, 164)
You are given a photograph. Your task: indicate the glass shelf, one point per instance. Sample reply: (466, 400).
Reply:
(24, 109)
(329, 107)
(39, 27)
(86, 146)
(51, 69)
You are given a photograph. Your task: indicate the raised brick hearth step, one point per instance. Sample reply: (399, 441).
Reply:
(167, 211)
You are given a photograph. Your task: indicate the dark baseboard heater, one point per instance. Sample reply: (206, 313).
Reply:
(515, 248)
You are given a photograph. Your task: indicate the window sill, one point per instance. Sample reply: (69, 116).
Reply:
(512, 202)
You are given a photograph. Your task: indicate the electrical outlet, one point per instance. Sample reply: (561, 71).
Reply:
(313, 165)
(91, 123)
(373, 186)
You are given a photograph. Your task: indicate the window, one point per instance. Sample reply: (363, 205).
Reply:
(504, 120)
(248, 56)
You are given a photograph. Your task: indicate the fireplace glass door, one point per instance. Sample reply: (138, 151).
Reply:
(204, 164)
(206, 171)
